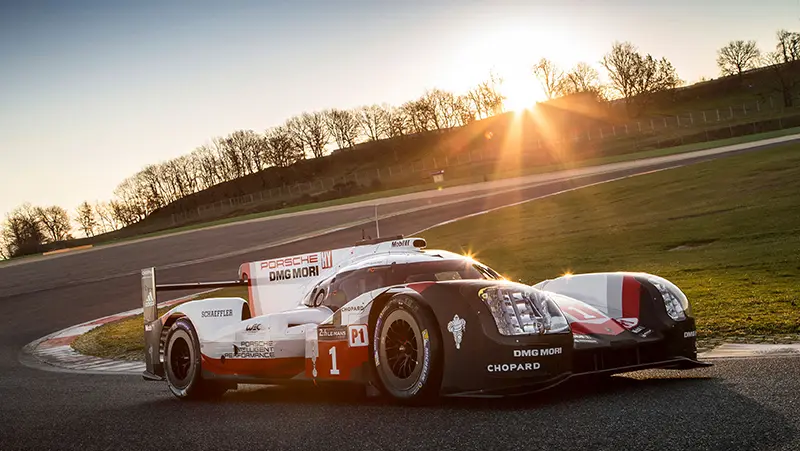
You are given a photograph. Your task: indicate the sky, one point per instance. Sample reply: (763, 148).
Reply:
(92, 91)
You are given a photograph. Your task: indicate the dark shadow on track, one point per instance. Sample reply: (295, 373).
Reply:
(695, 411)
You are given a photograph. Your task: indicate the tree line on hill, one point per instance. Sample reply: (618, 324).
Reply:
(633, 77)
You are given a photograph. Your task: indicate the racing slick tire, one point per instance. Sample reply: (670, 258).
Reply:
(182, 365)
(407, 350)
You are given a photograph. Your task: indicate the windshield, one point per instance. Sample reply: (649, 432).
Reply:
(348, 285)
(447, 270)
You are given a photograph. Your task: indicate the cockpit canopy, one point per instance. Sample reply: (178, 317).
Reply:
(386, 271)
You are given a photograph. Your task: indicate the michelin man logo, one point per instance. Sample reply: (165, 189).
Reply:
(457, 326)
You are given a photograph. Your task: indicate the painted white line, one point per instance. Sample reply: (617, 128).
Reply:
(742, 350)
(483, 212)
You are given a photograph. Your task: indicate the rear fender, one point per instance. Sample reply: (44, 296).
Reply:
(210, 317)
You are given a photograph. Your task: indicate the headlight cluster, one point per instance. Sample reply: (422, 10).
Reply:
(521, 311)
(674, 300)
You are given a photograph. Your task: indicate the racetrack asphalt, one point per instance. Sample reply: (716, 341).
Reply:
(737, 404)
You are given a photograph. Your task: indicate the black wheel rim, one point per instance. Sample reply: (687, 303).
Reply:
(401, 349)
(180, 359)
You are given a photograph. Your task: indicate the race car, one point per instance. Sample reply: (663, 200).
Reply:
(412, 324)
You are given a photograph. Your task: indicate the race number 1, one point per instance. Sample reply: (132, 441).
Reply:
(334, 369)
(357, 335)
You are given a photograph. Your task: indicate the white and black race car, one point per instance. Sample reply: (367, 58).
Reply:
(413, 323)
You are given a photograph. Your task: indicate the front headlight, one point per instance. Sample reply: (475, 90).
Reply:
(521, 311)
(675, 301)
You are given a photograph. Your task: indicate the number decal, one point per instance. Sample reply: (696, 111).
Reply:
(334, 369)
(357, 335)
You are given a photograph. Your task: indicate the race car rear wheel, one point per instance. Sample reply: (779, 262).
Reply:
(407, 361)
(182, 364)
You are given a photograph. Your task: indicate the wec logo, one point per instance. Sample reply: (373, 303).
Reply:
(253, 327)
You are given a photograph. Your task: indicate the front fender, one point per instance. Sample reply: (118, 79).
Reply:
(476, 357)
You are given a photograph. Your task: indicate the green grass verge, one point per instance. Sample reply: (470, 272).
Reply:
(124, 339)
(468, 180)
(726, 231)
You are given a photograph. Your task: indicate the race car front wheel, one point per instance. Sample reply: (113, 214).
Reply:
(182, 362)
(408, 350)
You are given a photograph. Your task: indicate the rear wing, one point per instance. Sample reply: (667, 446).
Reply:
(152, 323)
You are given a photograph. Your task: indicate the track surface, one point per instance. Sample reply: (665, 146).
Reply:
(738, 404)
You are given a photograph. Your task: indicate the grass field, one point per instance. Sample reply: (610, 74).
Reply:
(726, 231)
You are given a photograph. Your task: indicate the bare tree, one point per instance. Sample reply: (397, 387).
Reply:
(244, 145)
(22, 232)
(491, 96)
(550, 77)
(397, 123)
(485, 99)
(315, 132)
(374, 120)
(445, 107)
(636, 77)
(108, 221)
(208, 167)
(283, 149)
(86, 219)
(417, 114)
(310, 129)
(4, 255)
(737, 57)
(465, 110)
(229, 165)
(788, 47)
(476, 102)
(55, 222)
(581, 78)
(783, 75)
(130, 205)
(343, 126)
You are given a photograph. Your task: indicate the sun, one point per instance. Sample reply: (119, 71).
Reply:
(521, 91)
(508, 52)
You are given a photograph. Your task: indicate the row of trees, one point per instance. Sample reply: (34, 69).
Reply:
(27, 228)
(244, 152)
(632, 76)
(309, 135)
